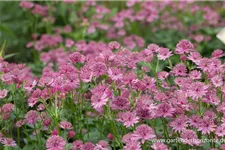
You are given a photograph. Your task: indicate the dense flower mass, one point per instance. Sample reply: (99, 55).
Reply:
(97, 84)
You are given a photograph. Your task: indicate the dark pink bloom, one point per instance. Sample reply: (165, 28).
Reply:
(71, 134)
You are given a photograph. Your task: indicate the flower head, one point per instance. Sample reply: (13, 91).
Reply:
(55, 142)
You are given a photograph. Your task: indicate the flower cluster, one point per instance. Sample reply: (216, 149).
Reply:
(123, 94)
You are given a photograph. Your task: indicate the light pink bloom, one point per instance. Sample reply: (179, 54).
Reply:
(3, 93)
(55, 142)
(184, 46)
(143, 132)
(163, 53)
(65, 125)
(8, 142)
(190, 137)
(159, 146)
(197, 90)
(128, 119)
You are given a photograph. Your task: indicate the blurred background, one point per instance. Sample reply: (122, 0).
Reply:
(162, 23)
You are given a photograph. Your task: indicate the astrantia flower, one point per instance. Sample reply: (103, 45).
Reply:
(77, 57)
(87, 146)
(113, 45)
(8, 107)
(220, 131)
(153, 48)
(55, 142)
(77, 144)
(206, 126)
(195, 74)
(143, 132)
(97, 101)
(159, 146)
(32, 117)
(164, 110)
(163, 53)
(8, 142)
(217, 81)
(179, 123)
(179, 70)
(197, 90)
(27, 5)
(115, 74)
(101, 145)
(190, 137)
(65, 125)
(184, 46)
(3, 93)
(194, 121)
(134, 145)
(127, 118)
(120, 103)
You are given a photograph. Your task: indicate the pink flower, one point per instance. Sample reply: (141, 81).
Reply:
(8, 142)
(143, 132)
(69, 43)
(115, 74)
(217, 81)
(113, 45)
(197, 90)
(206, 126)
(163, 53)
(195, 74)
(65, 125)
(3, 93)
(134, 145)
(27, 5)
(194, 121)
(88, 146)
(184, 46)
(179, 124)
(220, 131)
(159, 146)
(20, 123)
(71, 134)
(55, 142)
(164, 110)
(32, 117)
(128, 119)
(101, 145)
(179, 70)
(77, 57)
(97, 101)
(8, 107)
(77, 144)
(120, 103)
(190, 137)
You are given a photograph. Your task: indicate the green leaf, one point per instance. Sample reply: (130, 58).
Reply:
(10, 55)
